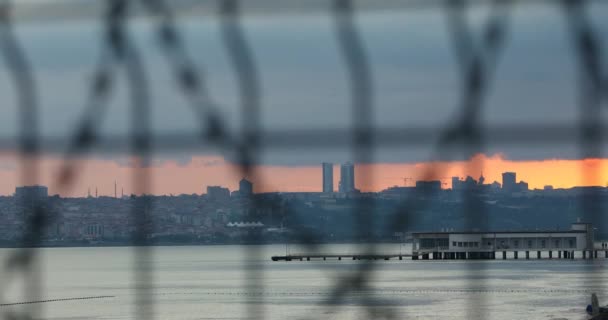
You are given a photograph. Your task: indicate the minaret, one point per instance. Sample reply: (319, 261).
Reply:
(115, 194)
(89, 192)
(95, 192)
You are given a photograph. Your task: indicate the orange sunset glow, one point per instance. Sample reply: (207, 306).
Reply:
(169, 177)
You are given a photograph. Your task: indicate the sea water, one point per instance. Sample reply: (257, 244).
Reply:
(240, 282)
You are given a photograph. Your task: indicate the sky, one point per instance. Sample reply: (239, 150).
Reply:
(416, 84)
(169, 177)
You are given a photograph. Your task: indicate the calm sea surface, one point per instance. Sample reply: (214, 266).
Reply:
(210, 282)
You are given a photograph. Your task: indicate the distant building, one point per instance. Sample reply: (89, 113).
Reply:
(328, 177)
(522, 186)
(31, 192)
(468, 184)
(347, 178)
(397, 192)
(495, 186)
(241, 224)
(93, 231)
(509, 181)
(548, 188)
(482, 179)
(456, 183)
(245, 188)
(428, 186)
(218, 193)
(484, 244)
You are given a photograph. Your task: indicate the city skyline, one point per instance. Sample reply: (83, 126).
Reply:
(169, 177)
(303, 159)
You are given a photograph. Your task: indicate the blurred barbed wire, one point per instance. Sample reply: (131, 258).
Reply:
(477, 58)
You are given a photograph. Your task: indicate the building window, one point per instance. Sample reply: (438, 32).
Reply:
(529, 243)
(557, 243)
(466, 244)
(476, 244)
(516, 243)
(460, 244)
(453, 243)
(489, 244)
(542, 243)
(428, 243)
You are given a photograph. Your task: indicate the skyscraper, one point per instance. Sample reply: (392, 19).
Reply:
(328, 177)
(509, 181)
(347, 177)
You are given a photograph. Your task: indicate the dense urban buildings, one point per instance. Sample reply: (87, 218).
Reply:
(510, 184)
(328, 177)
(219, 216)
(31, 192)
(428, 186)
(470, 184)
(218, 193)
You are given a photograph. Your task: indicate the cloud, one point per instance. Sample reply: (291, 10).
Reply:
(417, 85)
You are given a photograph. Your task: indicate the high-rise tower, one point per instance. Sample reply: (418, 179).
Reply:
(509, 181)
(347, 177)
(328, 177)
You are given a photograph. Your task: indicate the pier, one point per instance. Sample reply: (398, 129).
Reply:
(576, 243)
(308, 257)
(513, 255)
(422, 255)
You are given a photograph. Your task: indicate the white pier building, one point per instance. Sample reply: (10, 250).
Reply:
(485, 245)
